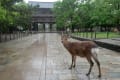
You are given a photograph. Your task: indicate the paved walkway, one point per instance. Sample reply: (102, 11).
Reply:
(43, 57)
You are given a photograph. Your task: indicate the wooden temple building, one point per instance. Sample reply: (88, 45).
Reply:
(43, 18)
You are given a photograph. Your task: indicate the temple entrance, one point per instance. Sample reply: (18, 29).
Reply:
(46, 27)
(40, 27)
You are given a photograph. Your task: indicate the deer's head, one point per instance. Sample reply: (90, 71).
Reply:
(64, 37)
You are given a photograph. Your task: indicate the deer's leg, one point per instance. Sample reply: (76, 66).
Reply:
(74, 61)
(91, 65)
(98, 64)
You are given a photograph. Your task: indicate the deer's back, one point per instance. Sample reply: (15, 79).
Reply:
(81, 49)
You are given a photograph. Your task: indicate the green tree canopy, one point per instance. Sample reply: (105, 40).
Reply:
(15, 13)
(88, 13)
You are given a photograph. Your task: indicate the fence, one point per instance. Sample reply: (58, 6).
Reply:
(96, 35)
(15, 35)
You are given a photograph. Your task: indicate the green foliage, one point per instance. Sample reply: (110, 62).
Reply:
(87, 13)
(22, 13)
(7, 4)
(15, 13)
(2, 13)
(64, 12)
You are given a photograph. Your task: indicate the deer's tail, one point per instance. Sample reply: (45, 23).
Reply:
(94, 52)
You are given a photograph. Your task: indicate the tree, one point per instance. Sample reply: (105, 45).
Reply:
(59, 16)
(88, 13)
(116, 12)
(7, 4)
(23, 18)
(64, 12)
(2, 18)
(15, 13)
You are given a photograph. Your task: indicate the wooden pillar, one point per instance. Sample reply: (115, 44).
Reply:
(51, 27)
(44, 26)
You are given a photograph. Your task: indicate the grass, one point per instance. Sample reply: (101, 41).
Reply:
(98, 35)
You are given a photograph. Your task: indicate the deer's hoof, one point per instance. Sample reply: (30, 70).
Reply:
(70, 68)
(74, 66)
(87, 74)
(99, 76)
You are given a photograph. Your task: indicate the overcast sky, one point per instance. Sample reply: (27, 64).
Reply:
(42, 0)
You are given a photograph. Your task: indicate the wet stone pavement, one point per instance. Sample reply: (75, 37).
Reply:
(43, 57)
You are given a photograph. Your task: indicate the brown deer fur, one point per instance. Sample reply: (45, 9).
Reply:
(82, 49)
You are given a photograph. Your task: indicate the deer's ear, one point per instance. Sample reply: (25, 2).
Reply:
(68, 35)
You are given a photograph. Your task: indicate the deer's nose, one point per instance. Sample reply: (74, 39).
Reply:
(62, 41)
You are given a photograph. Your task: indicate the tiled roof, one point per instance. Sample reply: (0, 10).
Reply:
(42, 4)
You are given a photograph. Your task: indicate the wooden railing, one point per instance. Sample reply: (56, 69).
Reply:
(19, 34)
(15, 35)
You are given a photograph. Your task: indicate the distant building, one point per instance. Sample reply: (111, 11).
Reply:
(43, 18)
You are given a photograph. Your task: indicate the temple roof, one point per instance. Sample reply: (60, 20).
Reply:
(42, 4)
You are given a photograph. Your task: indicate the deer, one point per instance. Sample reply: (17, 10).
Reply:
(84, 49)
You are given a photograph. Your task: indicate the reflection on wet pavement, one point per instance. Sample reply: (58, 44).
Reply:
(43, 57)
